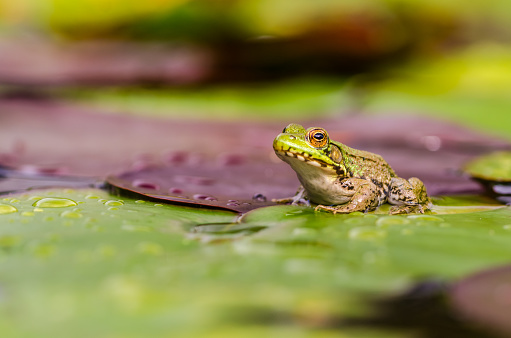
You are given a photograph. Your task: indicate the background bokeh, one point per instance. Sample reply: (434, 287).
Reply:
(285, 59)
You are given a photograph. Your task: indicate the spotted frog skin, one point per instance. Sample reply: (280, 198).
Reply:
(340, 179)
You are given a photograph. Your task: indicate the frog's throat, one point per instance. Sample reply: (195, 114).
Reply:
(292, 153)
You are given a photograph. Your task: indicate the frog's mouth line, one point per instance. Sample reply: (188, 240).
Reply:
(304, 157)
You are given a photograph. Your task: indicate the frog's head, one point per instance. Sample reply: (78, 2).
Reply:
(298, 146)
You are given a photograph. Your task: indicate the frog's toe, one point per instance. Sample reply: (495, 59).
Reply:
(301, 201)
(397, 210)
(282, 200)
(292, 201)
(406, 209)
(320, 207)
(333, 209)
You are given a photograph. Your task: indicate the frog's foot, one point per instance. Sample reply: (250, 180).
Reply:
(292, 200)
(287, 200)
(337, 209)
(408, 196)
(299, 199)
(407, 209)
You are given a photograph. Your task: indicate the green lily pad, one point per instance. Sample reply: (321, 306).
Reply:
(492, 167)
(139, 268)
(493, 171)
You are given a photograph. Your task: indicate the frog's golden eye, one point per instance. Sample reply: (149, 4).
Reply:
(317, 137)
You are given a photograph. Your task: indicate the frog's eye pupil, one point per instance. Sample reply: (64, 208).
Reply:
(319, 136)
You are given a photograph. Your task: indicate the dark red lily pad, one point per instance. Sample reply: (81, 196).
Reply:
(485, 298)
(65, 139)
(227, 160)
(240, 185)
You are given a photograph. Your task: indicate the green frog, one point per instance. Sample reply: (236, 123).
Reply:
(340, 179)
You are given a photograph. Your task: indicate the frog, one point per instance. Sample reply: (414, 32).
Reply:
(339, 179)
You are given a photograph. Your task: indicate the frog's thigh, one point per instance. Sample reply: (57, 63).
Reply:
(420, 191)
(365, 197)
(408, 195)
(407, 192)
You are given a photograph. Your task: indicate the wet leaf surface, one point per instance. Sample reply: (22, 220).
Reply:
(88, 255)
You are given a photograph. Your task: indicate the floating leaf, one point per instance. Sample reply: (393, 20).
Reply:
(238, 186)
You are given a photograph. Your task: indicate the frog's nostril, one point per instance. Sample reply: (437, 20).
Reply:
(292, 137)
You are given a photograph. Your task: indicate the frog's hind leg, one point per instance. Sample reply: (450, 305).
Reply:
(408, 196)
(299, 199)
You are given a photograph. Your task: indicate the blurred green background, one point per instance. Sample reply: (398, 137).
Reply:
(290, 59)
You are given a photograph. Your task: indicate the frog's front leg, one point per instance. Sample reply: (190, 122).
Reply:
(299, 199)
(408, 196)
(364, 197)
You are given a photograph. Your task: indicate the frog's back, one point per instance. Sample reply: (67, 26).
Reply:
(364, 164)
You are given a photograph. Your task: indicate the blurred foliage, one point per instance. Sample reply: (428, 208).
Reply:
(471, 87)
(360, 41)
(254, 17)
(292, 99)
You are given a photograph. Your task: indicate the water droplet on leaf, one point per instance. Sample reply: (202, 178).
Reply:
(55, 202)
(114, 203)
(259, 198)
(145, 184)
(7, 209)
(175, 191)
(71, 214)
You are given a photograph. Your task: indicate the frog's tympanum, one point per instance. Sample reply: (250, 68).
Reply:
(340, 179)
